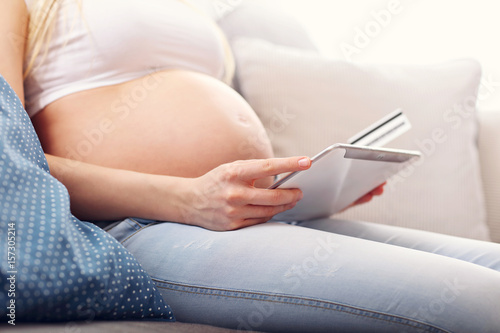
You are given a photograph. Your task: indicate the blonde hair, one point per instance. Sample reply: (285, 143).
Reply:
(40, 29)
(42, 22)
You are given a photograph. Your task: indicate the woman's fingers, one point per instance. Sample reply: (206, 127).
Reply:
(378, 190)
(257, 169)
(258, 214)
(263, 197)
(267, 212)
(364, 199)
(226, 198)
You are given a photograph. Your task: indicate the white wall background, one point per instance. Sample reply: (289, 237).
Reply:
(407, 31)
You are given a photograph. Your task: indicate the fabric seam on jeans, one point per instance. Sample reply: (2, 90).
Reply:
(136, 231)
(403, 321)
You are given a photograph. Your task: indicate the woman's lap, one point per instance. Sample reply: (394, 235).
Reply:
(479, 252)
(279, 277)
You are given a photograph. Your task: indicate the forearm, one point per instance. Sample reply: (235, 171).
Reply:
(99, 193)
(225, 198)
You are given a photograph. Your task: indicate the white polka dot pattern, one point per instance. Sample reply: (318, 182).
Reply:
(54, 267)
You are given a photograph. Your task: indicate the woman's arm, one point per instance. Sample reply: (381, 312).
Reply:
(223, 199)
(13, 34)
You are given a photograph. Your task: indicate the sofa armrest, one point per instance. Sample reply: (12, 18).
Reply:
(489, 153)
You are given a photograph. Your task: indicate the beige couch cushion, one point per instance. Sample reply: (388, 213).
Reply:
(307, 102)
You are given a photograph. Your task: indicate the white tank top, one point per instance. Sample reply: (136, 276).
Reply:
(106, 42)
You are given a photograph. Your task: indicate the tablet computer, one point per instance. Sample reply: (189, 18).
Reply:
(338, 176)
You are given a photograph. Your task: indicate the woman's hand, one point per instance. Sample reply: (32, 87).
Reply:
(379, 190)
(227, 197)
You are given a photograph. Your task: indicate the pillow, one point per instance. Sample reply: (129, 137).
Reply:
(55, 267)
(307, 102)
(239, 20)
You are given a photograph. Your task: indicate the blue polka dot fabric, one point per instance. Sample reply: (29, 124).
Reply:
(54, 267)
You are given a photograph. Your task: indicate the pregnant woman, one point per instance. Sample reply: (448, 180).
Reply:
(130, 103)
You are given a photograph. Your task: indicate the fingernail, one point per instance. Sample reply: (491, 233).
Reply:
(304, 162)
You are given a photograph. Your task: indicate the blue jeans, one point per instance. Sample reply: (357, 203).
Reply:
(320, 276)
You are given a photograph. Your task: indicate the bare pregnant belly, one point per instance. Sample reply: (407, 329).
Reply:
(173, 122)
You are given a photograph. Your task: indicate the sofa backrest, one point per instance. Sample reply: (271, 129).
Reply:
(255, 19)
